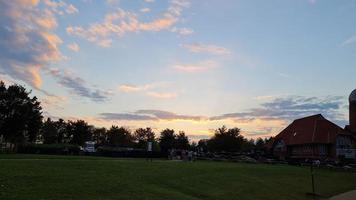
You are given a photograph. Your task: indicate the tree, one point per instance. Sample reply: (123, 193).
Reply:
(100, 136)
(49, 132)
(260, 143)
(79, 132)
(167, 140)
(62, 136)
(120, 136)
(225, 139)
(144, 135)
(203, 145)
(21, 115)
(182, 141)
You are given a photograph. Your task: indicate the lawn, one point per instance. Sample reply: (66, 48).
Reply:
(71, 177)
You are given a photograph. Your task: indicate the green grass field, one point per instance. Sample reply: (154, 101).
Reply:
(69, 177)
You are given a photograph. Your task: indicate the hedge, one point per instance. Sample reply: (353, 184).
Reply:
(58, 149)
(126, 152)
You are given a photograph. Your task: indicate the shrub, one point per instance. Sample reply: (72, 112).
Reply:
(60, 149)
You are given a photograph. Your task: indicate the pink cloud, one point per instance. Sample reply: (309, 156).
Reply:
(197, 67)
(121, 22)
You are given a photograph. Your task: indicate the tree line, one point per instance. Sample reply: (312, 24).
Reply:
(22, 122)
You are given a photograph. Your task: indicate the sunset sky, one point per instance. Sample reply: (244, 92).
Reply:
(191, 65)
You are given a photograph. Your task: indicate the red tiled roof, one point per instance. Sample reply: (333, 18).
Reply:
(312, 129)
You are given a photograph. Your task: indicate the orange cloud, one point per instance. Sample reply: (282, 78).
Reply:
(162, 95)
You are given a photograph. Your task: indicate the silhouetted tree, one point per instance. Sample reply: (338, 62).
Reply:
(260, 144)
(100, 136)
(225, 139)
(203, 145)
(181, 141)
(144, 135)
(21, 116)
(49, 132)
(62, 136)
(120, 136)
(193, 146)
(167, 140)
(78, 132)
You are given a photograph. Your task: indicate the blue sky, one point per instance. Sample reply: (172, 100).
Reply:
(191, 65)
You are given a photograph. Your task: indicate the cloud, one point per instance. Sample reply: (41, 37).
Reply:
(78, 86)
(349, 41)
(182, 31)
(121, 22)
(71, 9)
(26, 40)
(265, 120)
(53, 101)
(151, 115)
(276, 110)
(148, 89)
(73, 46)
(110, 2)
(129, 88)
(284, 75)
(196, 67)
(162, 95)
(145, 10)
(149, 1)
(127, 117)
(290, 108)
(60, 7)
(206, 48)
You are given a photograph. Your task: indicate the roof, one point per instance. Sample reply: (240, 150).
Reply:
(312, 129)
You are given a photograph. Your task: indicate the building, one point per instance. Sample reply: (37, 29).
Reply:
(315, 137)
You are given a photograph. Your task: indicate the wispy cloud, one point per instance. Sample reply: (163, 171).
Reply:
(60, 7)
(53, 101)
(292, 107)
(284, 75)
(120, 22)
(206, 48)
(78, 86)
(349, 41)
(111, 2)
(73, 46)
(129, 88)
(182, 31)
(162, 95)
(154, 115)
(148, 89)
(279, 109)
(196, 67)
(145, 10)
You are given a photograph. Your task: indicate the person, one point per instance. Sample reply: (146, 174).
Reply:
(195, 154)
(190, 156)
(149, 151)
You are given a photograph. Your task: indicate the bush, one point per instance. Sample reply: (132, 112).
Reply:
(58, 149)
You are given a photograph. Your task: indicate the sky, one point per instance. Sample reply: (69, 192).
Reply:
(189, 65)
